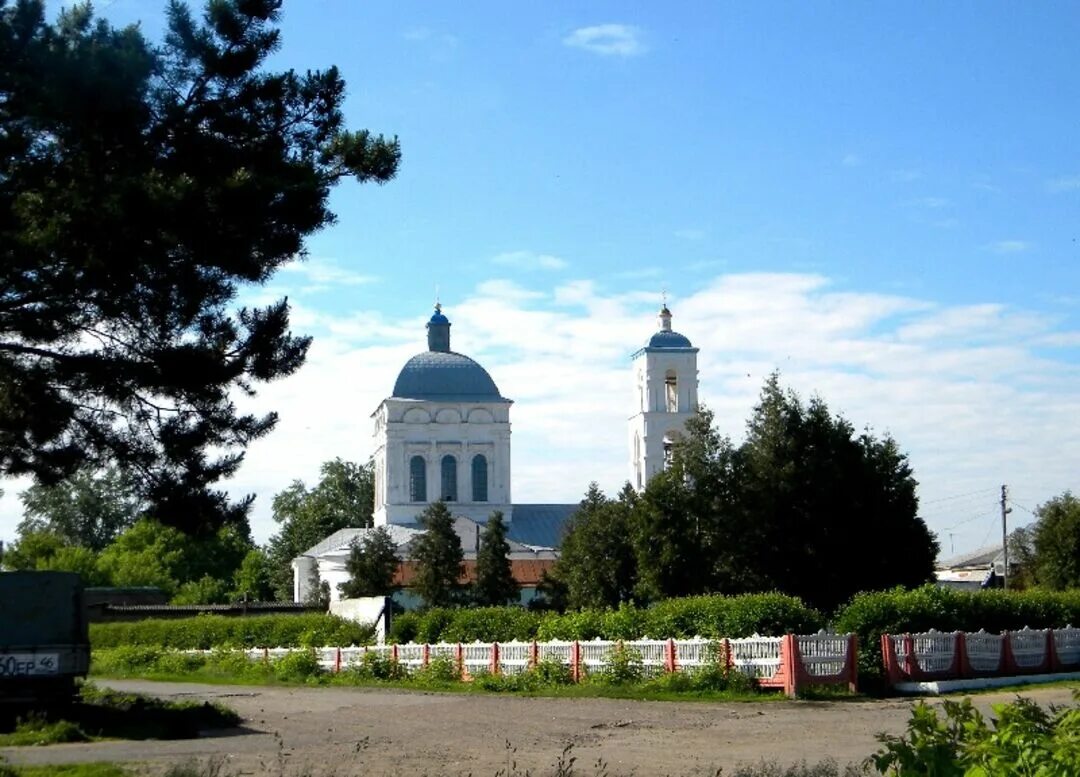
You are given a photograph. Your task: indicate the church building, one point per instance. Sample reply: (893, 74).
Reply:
(444, 434)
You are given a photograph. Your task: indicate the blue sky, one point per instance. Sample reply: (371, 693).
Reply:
(880, 200)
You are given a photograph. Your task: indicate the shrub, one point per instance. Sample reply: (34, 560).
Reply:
(871, 614)
(1023, 739)
(297, 666)
(375, 667)
(404, 627)
(552, 672)
(440, 670)
(204, 632)
(623, 667)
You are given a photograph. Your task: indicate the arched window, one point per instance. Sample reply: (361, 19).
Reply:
(449, 479)
(479, 478)
(417, 479)
(671, 391)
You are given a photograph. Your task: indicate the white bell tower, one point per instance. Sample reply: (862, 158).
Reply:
(665, 397)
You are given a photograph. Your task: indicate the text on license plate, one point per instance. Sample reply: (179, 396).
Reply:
(28, 664)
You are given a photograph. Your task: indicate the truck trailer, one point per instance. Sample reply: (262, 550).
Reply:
(44, 637)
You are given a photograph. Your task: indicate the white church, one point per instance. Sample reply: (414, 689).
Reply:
(444, 434)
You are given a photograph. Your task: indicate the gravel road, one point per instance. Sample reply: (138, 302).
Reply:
(352, 731)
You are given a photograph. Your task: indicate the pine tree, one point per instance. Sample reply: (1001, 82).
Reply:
(371, 565)
(142, 187)
(495, 584)
(438, 556)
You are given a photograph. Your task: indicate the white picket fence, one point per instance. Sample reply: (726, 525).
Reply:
(782, 662)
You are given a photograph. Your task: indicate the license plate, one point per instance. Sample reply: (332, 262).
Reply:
(28, 664)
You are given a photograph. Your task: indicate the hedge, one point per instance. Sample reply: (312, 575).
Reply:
(872, 614)
(707, 616)
(204, 632)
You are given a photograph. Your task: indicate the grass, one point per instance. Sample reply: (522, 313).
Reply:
(104, 714)
(66, 770)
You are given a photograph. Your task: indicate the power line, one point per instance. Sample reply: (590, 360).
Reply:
(958, 496)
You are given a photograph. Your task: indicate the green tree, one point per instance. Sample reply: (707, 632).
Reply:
(344, 498)
(143, 186)
(495, 584)
(252, 579)
(88, 509)
(597, 563)
(438, 557)
(32, 550)
(1056, 540)
(812, 495)
(152, 554)
(371, 565)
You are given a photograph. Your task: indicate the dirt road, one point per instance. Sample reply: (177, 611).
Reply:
(347, 731)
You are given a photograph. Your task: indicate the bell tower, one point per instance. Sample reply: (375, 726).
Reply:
(665, 397)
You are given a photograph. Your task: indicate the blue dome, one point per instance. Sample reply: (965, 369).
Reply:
(669, 339)
(438, 318)
(445, 376)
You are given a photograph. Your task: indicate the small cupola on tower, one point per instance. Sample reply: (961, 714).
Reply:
(438, 331)
(664, 317)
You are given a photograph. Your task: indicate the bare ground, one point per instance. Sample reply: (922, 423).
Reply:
(352, 731)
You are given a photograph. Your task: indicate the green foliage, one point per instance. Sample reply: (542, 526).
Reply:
(440, 670)
(623, 667)
(1023, 739)
(39, 730)
(33, 550)
(251, 583)
(143, 185)
(209, 631)
(596, 562)
(205, 590)
(343, 498)
(495, 583)
(708, 616)
(88, 509)
(375, 667)
(297, 666)
(1056, 540)
(438, 556)
(785, 511)
(371, 565)
(871, 614)
(153, 554)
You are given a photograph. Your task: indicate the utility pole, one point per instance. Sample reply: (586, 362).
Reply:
(1005, 510)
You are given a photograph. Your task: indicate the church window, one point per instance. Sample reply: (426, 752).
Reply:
(417, 479)
(671, 391)
(449, 479)
(479, 478)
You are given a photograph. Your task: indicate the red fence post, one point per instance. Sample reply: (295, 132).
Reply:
(394, 653)
(534, 655)
(669, 656)
(460, 658)
(337, 660)
(426, 654)
(853, 663)
(962, 663)
(795, 662)
(729, 657)
(494, 657)
(1051, 652)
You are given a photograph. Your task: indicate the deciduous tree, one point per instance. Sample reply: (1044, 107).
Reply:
(88, 509)
(597, 564)
(142, 187)
(1056, 540)
(371, 565)
(343, 498)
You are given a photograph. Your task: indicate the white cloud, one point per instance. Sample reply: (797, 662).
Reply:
(618, 40)
(323, 274)
(530, 260)
(905, 176)
(1009, 246)
(969, 391)
(1069, 183)
(932, 203)
(851, 160)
